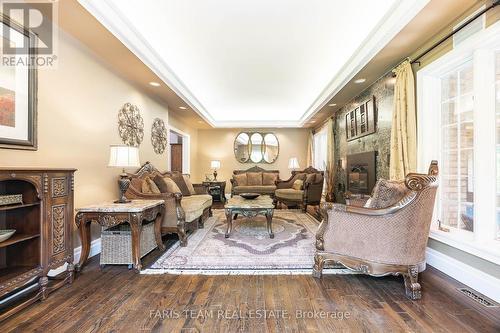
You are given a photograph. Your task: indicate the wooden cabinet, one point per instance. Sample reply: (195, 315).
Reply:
(43, 238)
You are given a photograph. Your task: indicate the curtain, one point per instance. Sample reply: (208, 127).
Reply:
(404, 124)
(330, 162)
(310, 148)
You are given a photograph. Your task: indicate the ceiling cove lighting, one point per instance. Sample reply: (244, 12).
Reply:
(154, 84)
(359, 80)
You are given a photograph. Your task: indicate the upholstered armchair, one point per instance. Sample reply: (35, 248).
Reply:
(383, 240)
(309, 192)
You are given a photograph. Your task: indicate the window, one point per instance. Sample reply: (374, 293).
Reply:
(457, 149)
(320, 149)
(459, 125)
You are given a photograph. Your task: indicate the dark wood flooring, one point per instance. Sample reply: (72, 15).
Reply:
(118, 300)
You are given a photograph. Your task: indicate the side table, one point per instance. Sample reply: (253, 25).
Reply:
(110, 214)
(217, 189)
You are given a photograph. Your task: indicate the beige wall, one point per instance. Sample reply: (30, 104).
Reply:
(217, 144)
(78, 105)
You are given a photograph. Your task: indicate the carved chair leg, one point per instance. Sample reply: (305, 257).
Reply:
(210, 214)
(304, 208)
(275, 202)
(181, 231)
(319, 262)
(412, 287)
(201, 222)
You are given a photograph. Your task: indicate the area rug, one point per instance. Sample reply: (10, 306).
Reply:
(248, 250)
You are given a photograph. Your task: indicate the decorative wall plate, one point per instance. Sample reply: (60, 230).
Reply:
(130, 125)
(159, 136)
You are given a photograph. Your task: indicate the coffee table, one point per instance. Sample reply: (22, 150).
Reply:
(262, 205)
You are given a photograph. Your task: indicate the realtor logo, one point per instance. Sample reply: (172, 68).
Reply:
(36, 47)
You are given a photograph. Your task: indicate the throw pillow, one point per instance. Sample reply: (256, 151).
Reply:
(311, 178)
(387, 193)
(166, 185)
(189, 184)
(152, 186)
(145, 188)
(241, 179)
(298, 184)
(268, 178)
(178, 178)
(254, 178)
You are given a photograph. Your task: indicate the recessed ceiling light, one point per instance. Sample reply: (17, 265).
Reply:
(200, 122)
(154, 84)
(182, 107)
(313, 121)
(332, 104)
(359, 80)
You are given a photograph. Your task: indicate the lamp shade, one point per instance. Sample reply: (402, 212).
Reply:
(293, 163)
(215, 164)
(123, 156)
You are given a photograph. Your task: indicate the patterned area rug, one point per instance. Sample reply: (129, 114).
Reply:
(249, 249)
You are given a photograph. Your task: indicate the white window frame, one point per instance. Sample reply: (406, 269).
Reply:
(481, 48)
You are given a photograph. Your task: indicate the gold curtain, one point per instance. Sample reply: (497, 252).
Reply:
(330, 161)
(310, 148)
(404, 124)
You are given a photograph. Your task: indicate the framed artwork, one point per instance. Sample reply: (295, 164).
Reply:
(18, 91)
(361, 121)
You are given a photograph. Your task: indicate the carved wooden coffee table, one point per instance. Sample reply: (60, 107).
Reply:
(111, 214)
(262, 205)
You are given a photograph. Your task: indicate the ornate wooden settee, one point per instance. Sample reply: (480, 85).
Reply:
(388, 235)
(254, 180)
(183, 213)
(308, 194)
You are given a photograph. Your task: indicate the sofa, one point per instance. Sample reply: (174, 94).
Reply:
(303, 188)
(254, 180)
(386, 236)
(184, 211)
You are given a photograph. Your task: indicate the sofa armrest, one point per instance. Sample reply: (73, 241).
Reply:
(200, 189)
(283, 184)
(313, 192)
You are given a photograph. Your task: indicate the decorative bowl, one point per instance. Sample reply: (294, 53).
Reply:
(6, 234)
(250, 196)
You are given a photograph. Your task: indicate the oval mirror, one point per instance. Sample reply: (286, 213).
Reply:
(271, 148)
(242, 147)
(256, 147)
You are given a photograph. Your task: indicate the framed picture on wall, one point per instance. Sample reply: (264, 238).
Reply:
(18, 89)
(350, 125)
(362, 120)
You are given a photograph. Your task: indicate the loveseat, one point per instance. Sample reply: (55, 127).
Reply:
(184, 211)
(303, 188)
(254, 180)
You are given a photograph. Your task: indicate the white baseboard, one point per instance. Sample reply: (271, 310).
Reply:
(95, 248)
(484, 283)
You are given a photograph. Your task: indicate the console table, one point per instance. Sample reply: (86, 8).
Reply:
(110, 214)
(217, 189)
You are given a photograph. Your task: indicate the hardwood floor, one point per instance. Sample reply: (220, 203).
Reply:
(116, 299)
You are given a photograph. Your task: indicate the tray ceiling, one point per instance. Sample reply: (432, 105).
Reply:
(255, 63)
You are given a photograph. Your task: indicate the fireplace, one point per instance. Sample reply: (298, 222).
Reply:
(361, 172)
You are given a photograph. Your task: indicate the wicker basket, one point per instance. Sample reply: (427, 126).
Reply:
(116, 244)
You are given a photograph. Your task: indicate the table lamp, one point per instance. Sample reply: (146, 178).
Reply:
(215, 165)
(293, 164)
(123, 156)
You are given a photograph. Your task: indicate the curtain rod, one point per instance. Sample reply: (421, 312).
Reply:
(493, 4)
